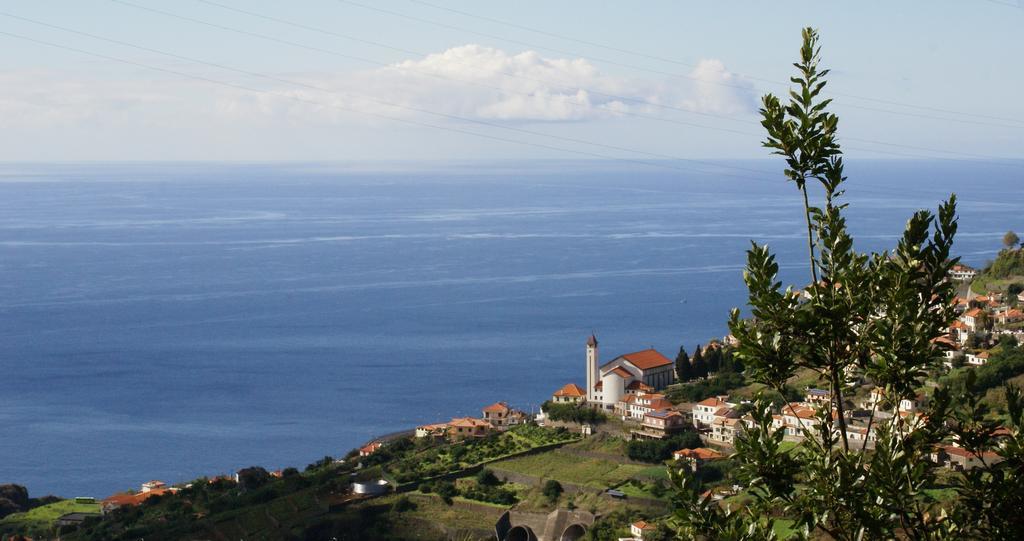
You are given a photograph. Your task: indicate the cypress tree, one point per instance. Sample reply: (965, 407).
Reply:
(713, 359)
(683, 371)
(700, 368)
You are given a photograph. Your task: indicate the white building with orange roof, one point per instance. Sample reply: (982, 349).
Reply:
(501, 416)
(695, 458)
(436, 430)
(795, 418)
(962, 273)
(704, 412)
(978, 359)
(640, 371)
(958, 458)
(370, 448)
(645, 403)
(468, 427)
(971, 318)
(959, 331)
(1010, 315)
(570, 393)
(641, 530)
(150, 486)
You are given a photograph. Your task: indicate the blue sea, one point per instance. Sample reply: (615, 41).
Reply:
(168, 321)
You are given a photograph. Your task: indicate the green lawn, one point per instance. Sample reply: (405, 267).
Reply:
(601, 443)
(571, 469)
(654, 472)
(45, 515)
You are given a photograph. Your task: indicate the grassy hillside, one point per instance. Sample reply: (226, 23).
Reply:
(1007, 269)
(317, 504)
(41, 519)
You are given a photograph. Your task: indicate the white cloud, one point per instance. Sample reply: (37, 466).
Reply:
(484, 83)
(469, 81)
(717, 90)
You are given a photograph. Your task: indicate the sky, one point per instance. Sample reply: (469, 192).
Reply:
(447, 80)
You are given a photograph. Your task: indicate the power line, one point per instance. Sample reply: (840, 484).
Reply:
(380, 101)
(424, 72)
(375, 115)
(491, 124)
(421, 53)
(348, 109)
(516, 75)
(691, 65)
(635, 67)
(1008, 4)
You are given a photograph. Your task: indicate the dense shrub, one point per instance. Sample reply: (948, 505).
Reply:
(1004, 364)
(655, 451)
(490, 493)
(573, 413)
(697, 391)
(487, 478)
(552, 490)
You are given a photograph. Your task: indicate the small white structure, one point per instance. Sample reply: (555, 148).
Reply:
(371, 488)
(150, 486)
(962, 273)
(978, 359)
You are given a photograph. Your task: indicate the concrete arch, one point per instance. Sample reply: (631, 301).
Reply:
(573, 532)
(521, 533)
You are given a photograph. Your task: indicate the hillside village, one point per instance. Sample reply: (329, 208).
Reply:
(637, 408)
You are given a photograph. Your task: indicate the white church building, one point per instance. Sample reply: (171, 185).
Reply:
(608, 383)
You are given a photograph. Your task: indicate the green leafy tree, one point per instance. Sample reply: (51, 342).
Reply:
(683, 371)
(487, 478)
(552, 490)
(876, 314)
(1010, 239)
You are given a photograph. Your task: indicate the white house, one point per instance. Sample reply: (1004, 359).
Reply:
(971, 318)
(962, 273)
(978, 359)
(704, 412)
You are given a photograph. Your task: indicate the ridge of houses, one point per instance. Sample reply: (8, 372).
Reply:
(980, 321)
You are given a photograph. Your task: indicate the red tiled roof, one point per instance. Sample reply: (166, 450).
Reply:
(647, 359)
(638, 385)
(371, 447)
(961, 452)
(133, 499)
(469, 422)
(702, 453)
(711, 402)
(621, 372)
(643, 525)
(571, 390)
(659, 404)
(497, 407)
(973, 312)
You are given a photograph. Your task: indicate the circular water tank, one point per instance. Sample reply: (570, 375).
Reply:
(371, 488)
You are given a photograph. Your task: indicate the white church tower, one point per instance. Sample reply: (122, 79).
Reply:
(593, 375)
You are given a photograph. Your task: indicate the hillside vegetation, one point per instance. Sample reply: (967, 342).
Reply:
(1002, 273)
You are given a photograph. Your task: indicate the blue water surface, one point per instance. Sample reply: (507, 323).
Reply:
(170, 321)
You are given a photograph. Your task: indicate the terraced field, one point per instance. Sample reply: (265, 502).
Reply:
(591, 472)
